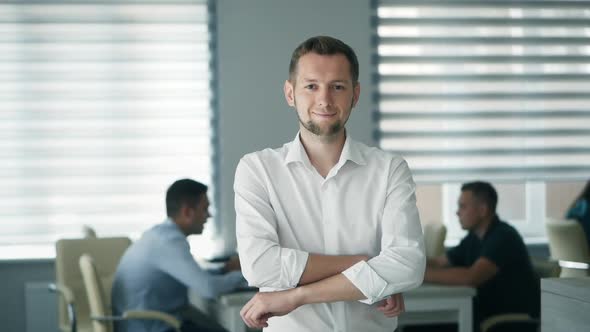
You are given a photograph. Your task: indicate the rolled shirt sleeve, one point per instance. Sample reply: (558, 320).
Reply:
(401, 263)
(264, 262)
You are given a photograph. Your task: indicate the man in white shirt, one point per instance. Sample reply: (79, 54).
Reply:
(327, 227)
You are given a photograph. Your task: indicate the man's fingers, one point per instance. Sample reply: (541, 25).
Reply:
(381, 305)
(244, 312)
(253, 314)
(392, 306)
(256, 317)
(385, 306)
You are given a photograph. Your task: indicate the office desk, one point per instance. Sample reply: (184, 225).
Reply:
(434, 304)
(427, 304)
(565, 304)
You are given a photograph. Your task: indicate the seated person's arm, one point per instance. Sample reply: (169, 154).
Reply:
(481, 271)
(439, 261)
(181, 265)
(232, 264)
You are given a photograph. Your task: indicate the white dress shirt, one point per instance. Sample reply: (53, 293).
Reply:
(365, 205)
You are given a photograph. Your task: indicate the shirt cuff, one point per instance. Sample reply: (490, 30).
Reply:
(367, 281)
(292, 266)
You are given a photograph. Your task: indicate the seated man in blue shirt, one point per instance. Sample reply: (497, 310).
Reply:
(156, 271)
(492, 257)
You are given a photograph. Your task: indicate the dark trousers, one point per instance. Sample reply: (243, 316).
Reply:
(188, 326)
(431, 328)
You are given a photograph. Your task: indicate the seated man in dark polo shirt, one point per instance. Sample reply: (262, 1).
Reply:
(492, 258)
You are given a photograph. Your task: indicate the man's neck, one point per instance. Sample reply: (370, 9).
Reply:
(483, 227)
(180, 226)
(323, 151)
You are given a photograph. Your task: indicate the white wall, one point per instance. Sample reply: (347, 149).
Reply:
(255, 39)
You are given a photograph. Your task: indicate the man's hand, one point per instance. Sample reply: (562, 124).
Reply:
(233, 264)
(392, 306)
(265, 305)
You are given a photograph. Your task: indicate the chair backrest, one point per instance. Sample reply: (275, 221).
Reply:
(567, 242)
(99, 307)
(107, 252)
(434, 239)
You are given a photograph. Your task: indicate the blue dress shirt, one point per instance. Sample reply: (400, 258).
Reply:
(155, 273)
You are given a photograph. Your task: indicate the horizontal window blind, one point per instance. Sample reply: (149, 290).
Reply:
(485, 89)
(103, 104)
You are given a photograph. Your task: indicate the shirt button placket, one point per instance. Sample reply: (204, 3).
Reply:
(330, 231)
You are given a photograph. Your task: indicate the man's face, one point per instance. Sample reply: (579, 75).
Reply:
(470, 211)
(323, 93)
(198, 215)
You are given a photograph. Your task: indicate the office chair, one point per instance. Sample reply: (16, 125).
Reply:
(510, 323)
(434, 239)
(100, 313)
(74, 313)
(568, 245)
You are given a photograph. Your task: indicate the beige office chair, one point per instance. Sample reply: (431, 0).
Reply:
(510, 322)
(73, 306)
(568, 245)
(434, 239)
(100, 313)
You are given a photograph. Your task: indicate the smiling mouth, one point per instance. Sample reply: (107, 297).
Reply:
(325, 115)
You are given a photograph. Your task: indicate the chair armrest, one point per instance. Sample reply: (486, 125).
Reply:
(67, 294)
(507, 318)
(64, 291)
(157, 315)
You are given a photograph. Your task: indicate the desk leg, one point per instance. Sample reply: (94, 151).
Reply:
(235, 323)
(466, 317)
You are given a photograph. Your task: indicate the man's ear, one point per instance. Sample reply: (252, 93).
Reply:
(356, 93)
(483, 209)
(185, 212)
(288, 88)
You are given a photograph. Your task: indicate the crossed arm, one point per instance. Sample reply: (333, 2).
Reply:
(316, 287)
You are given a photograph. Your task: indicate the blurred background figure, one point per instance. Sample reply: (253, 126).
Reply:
(580, 210)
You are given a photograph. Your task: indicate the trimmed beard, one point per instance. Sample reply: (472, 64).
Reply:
(314, 128)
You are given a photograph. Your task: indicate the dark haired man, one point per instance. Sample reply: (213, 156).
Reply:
(492, 257)
(156, 271)
(326, 225)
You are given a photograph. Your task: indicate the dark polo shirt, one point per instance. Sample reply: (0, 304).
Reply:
(515, 288)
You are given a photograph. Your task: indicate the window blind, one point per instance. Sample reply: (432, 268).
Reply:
(103, 104)
(485, 89)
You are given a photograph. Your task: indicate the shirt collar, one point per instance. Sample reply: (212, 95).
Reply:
(296, 152)
(172, 225)
(350, 151)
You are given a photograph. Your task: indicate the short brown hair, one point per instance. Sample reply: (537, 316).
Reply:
(325, 45)
(484, 192)
(184, 191)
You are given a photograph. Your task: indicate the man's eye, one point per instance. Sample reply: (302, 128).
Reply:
(338, 87)
(310, 86)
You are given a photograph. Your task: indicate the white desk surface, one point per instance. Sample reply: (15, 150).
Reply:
(427, 304)
(435, 304)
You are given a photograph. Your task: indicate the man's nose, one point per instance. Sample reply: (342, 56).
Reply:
(324, 97)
